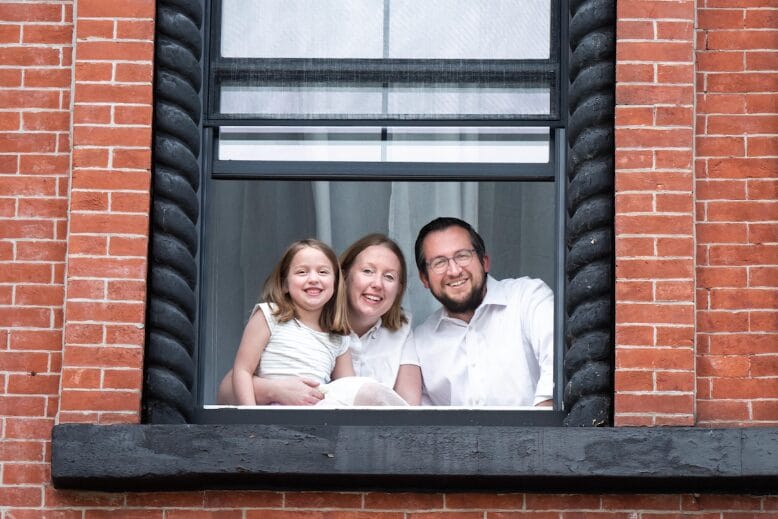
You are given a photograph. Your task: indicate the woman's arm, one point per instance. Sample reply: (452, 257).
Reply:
(408, 383)
(255, 338)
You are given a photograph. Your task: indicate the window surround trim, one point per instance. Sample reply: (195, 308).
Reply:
(170, 357)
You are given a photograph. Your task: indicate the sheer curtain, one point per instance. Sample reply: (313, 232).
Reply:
(248, 224)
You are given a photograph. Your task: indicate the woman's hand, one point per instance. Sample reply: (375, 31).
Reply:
(289, 391)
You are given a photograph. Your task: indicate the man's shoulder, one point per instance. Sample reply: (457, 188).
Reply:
(429, 325)
(516, 288)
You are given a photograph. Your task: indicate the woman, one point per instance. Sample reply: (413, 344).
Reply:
(375, 273)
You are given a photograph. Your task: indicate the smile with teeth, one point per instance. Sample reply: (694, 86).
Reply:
(374, 299)
(457, 283)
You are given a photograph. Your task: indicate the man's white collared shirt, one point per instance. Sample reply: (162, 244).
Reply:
(377, 353)
(503, 357)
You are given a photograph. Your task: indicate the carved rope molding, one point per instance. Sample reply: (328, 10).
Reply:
(589, 358)
(170, 339)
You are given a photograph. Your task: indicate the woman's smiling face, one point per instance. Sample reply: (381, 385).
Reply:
(372, 284)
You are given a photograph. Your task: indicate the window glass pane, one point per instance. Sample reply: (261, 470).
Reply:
(430, 29)
(469, 29)
(302, 28)
(392, 144)
(377, 101)
(248, 224)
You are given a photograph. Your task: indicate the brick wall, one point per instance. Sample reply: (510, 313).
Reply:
(697, 332)
(736, 171)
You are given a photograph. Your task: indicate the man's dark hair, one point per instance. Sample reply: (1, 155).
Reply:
(440, 224)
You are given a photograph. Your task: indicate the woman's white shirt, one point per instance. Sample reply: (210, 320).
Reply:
(376, 354)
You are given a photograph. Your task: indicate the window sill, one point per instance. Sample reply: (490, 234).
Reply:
(489, 458)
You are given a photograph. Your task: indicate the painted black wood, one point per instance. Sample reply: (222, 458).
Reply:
(589, 297)
(553, 459)
(170, 337)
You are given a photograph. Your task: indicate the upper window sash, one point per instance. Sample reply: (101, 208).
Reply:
(510, 73)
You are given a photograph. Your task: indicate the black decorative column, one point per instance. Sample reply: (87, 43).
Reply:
(590, 300)
(170, 320)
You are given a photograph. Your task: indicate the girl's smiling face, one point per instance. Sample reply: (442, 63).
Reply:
(310, 281)
(372, 285)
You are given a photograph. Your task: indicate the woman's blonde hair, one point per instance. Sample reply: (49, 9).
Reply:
(394, 318)
(333, 315)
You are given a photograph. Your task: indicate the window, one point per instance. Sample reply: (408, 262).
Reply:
(470, 108)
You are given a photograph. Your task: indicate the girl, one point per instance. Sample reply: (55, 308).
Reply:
(299, 330)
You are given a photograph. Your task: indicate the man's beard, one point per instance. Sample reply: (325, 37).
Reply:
(467, 305)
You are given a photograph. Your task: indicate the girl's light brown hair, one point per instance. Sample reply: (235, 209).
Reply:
(333, 315)
(394, 318)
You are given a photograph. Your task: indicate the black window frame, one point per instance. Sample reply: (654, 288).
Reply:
(171, 361)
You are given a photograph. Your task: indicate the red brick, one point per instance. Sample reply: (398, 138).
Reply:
(92, 114)
(124, 513)
(634, 291)
(710, 277)
(655, 224)
(745, 388)
(654, 181)
(103, 356)
(21, 406)
(715, 189)
(51, 34)
(39, 295)
(123, 379)
(36, 340)
(634, 203)
(32, 12)
(44, 165)
(29, 56)
(28, 428)
(630, 247)
(714, 410)
(10, 78)
(127, 290)
(48, 78)
(743, 254)
(130, 335)
(656, 9)
(767, 60)
(745, 82)
(135, 29)
(99, 400)
(10, 122)
(681, 30)
(741, 343)
(29, 384)
(626, 380)
(203, 514)
(109, 223)
(718, 61)
(655, 358)
(762, 103)
(762, 189)
(682, 336)
(653, 269)
(24, 361)
(109, 312)
(762, 233)
(242, 499)
(722, 321)
(20, 496)
(111, 136)
(89, 201)
(116, 8)
(90, 157)
(117, 268)
(763, 276)
(25, 272)
(675, 381)
(323, 500)
(723, 366)
(27, 142)
(765, 365)
(720, 18)
(403, 501)
(108, 50)
(652, 51)
(765, 410)
(721, 501)
(674, 291)
(91, 245)
(130, 202)
(627, 94)
(136, 159)
(634, 73)
(656, 403)
(735, 211)
(487, 501)
(81, 378)
(735, 124)
(721, 103)
(83, 333)
(10, 33)
(635, 30)
(741, 39)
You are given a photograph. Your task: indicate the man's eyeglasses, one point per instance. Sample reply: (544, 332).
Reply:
(462, 258)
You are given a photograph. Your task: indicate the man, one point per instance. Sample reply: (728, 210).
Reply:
(492, 341)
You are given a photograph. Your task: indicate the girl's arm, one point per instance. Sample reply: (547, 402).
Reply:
(408, 383)
(343, 366)
(255, 338)
(284, 391)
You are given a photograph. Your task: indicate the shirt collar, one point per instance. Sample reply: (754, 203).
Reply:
(495, 295)
(372, 331)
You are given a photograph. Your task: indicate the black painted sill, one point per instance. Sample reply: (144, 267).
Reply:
(422, 458)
